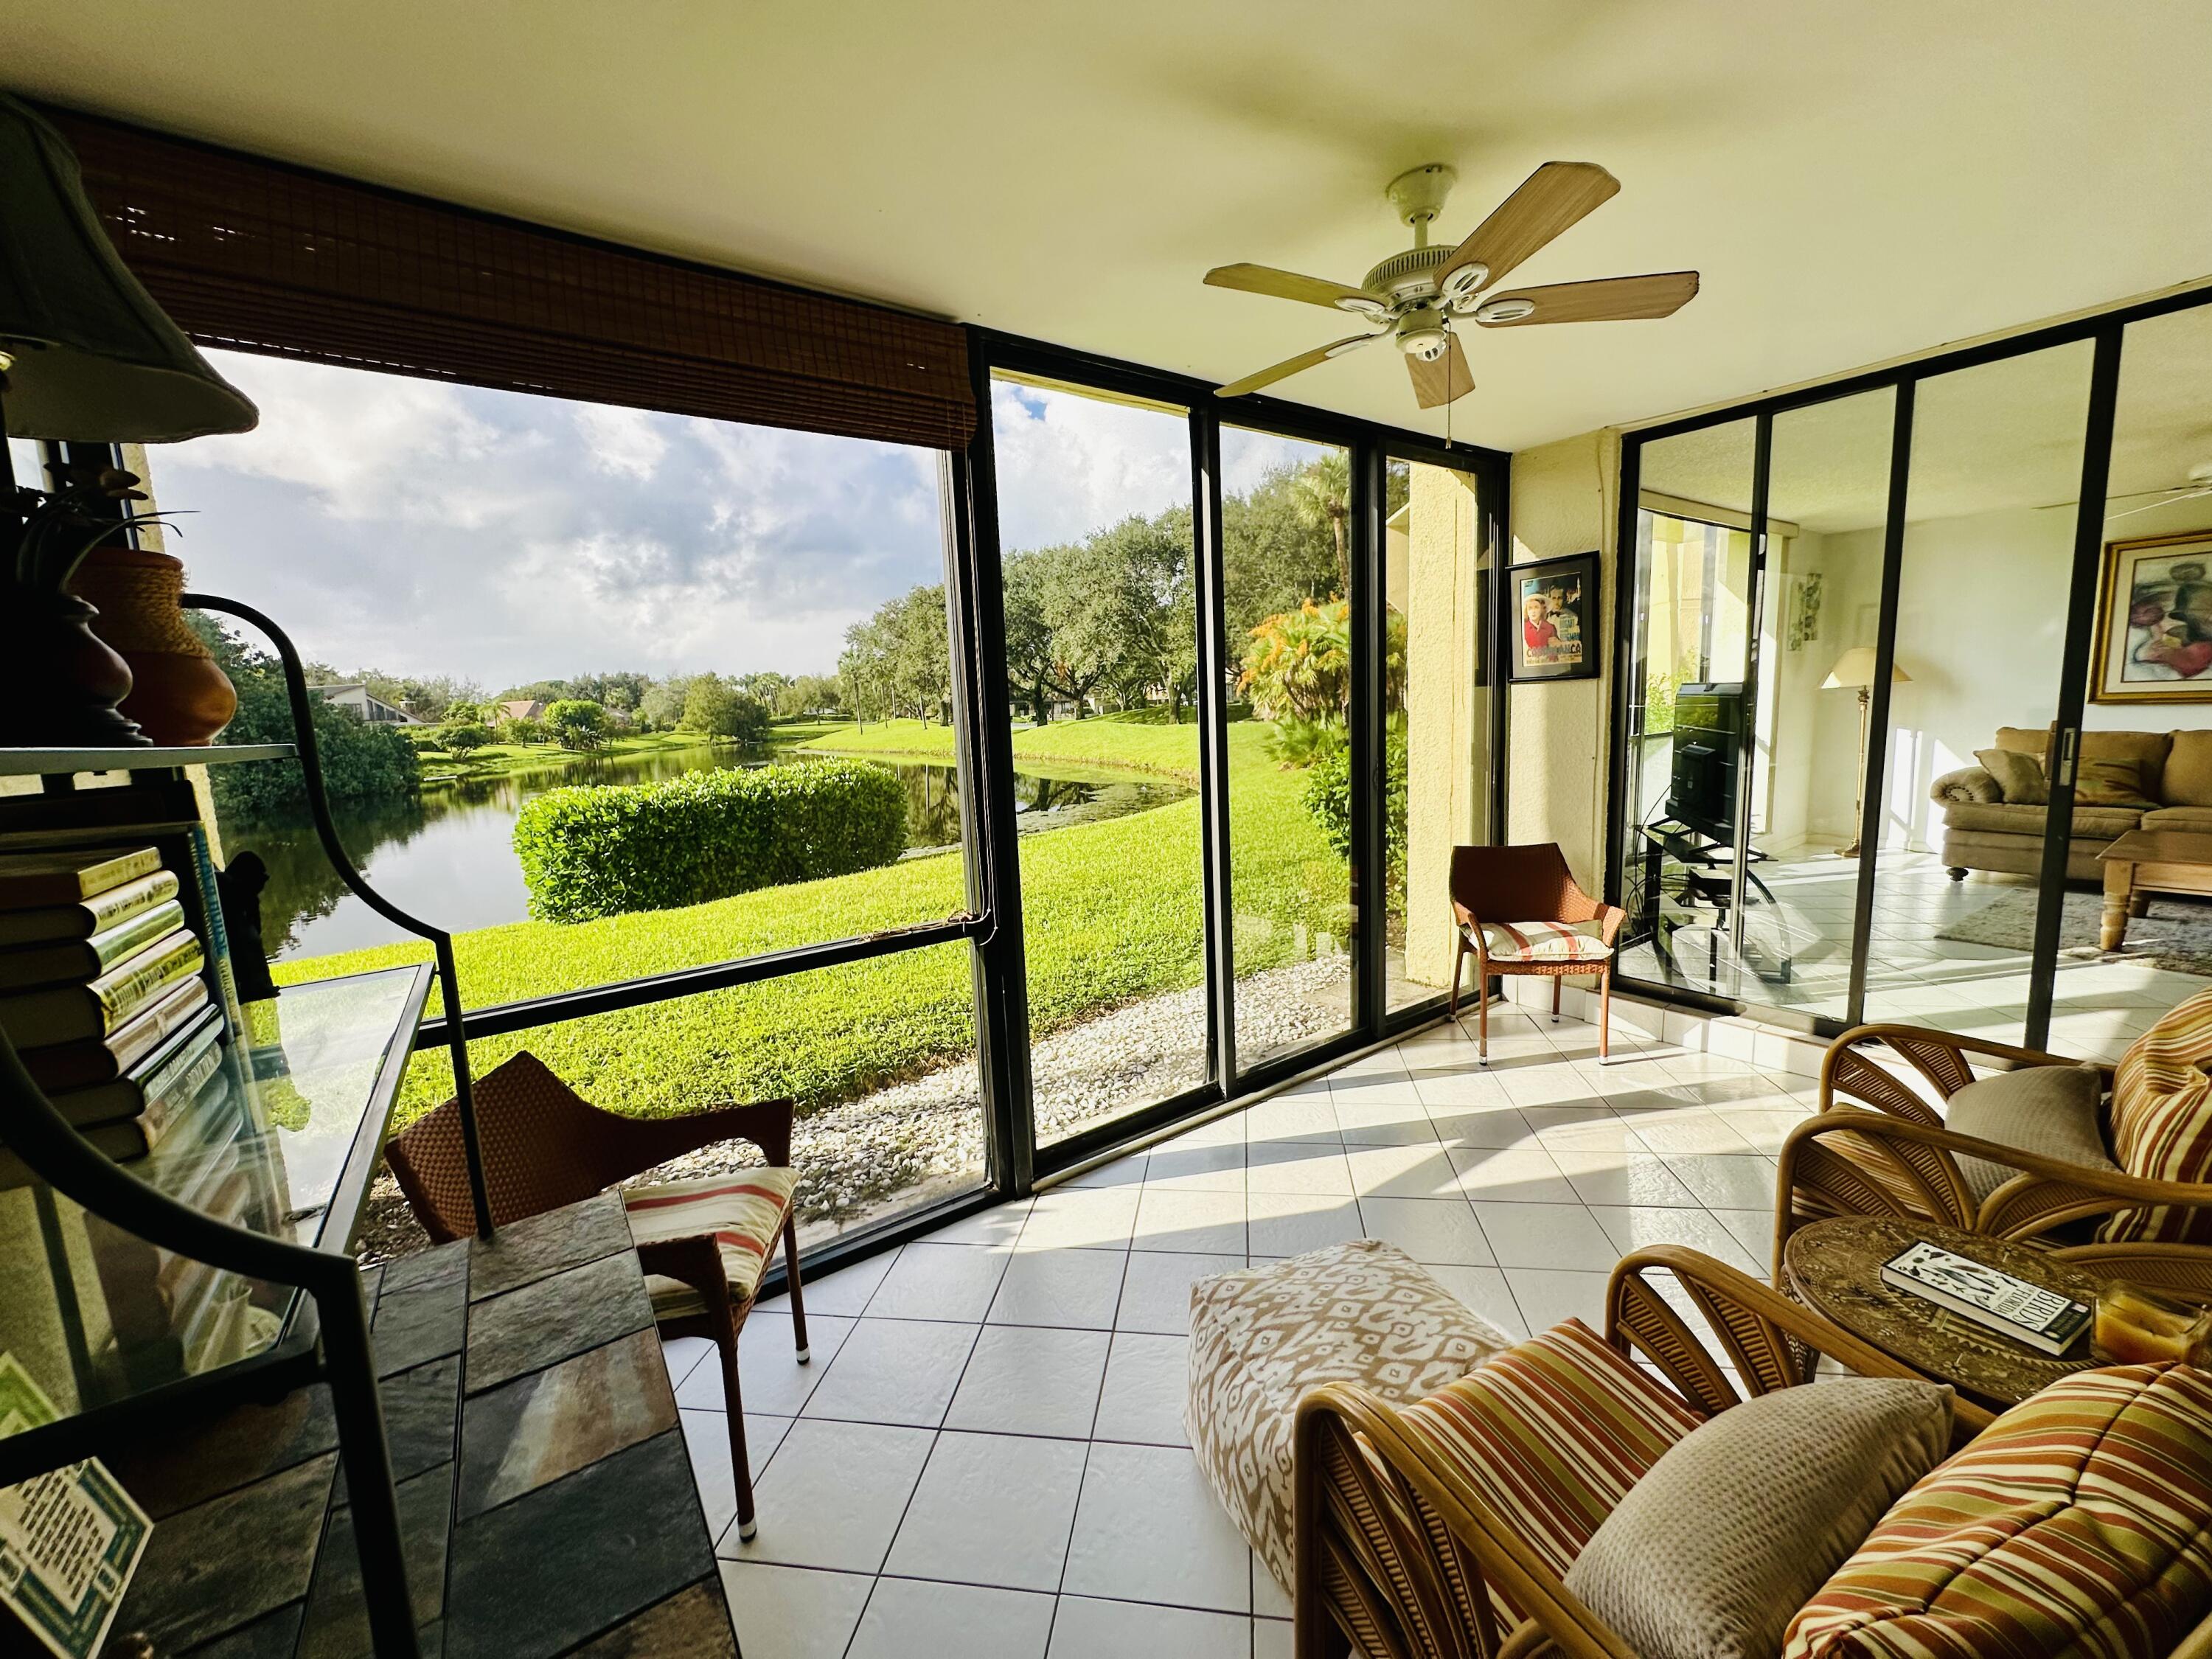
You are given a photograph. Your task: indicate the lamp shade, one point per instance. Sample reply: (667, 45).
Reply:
(96, 360)
(1856, 667)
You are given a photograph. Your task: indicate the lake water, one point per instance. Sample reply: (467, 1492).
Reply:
(449, 857)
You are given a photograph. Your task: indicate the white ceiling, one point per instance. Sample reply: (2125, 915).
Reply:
(1856, 180)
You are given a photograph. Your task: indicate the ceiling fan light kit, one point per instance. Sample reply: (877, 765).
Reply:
(1416, 294)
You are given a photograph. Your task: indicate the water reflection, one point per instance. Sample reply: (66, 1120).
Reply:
(449, 857)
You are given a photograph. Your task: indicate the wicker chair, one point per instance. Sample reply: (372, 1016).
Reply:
(1371, 1583)
(544, 1145)
(1518, 910)
(1878, 1146)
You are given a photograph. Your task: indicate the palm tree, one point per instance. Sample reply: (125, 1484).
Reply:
(1322, 493)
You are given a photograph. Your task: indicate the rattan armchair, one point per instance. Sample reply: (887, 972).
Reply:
(544, 1145)
(1497, 892)
(1372, 1582)
(1878, 1146)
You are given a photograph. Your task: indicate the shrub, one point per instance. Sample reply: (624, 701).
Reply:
(519, 733)
(1328, 802)
(589, 853)
(464, 739)
(576, 723)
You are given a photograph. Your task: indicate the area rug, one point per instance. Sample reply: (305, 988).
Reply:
(2176, 934)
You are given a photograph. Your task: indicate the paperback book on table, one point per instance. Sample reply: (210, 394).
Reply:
(2044, 1319)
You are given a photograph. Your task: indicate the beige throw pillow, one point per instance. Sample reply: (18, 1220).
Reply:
(1712, 1553)
(2020, 777)
(2118, 781)
(2051, 1110)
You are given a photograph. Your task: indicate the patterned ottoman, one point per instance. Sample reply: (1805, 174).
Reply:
(1361, 1312)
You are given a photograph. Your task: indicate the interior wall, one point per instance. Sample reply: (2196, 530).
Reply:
(1565, 501)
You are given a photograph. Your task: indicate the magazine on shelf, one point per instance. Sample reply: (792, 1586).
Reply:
(2044, 1319)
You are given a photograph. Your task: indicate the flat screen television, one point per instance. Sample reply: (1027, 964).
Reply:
(1708, 757)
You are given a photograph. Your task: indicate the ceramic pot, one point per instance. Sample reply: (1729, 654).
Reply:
(179, 697)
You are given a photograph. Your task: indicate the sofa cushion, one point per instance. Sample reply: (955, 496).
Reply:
(2024, 739)
(2138, 757)
(1782, 1489)
(2078, 1526)
(2197, 819)
(2019, 776)
(741, 1212)
(1968, 783)
(2100, 823)
(2187, 779)
(1550, 1435)
(2047, 1109)
(1362, 1312)
(2162, 1121)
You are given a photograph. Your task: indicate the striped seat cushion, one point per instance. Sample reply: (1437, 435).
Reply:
(2079, 1524)
(1550, 1435)
(741, 1212)
(2162, 1121)
(1539, 941)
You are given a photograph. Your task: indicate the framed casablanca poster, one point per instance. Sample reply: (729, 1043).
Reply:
(1552, 607)
(2155, 621)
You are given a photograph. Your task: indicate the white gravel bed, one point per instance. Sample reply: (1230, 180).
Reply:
(928, 1133)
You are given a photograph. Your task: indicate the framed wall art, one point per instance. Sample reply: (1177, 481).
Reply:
(2153, 640)
(1554, 620)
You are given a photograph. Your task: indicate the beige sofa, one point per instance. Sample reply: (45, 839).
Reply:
(1982, 830)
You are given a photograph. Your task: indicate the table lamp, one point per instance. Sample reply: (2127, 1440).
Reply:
(85, 356)
(1855, 668)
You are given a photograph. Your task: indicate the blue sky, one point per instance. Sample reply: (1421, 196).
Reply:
(420, 527)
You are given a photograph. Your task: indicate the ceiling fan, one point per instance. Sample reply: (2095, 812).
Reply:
(1418, 296)
(2200, 483)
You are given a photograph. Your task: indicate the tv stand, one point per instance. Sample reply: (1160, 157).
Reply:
(1706, 864)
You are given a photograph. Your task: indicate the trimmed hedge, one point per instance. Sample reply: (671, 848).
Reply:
(598, 852)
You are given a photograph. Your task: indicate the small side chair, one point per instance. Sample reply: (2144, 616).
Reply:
(1519, 912)
(704, 1244)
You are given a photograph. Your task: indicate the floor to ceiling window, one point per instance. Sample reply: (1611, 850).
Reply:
(1287, 539)
(1965, 606)
(1101, 628)
(1683, 746)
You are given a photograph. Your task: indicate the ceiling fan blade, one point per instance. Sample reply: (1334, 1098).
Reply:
(1608, 299)
(2171, 500)
(1289, 285)
(1298, 365)
(1436, 384)
(1553, 197)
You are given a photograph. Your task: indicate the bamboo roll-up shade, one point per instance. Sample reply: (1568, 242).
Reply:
(253, 255)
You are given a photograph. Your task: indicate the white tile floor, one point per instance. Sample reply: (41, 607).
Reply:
(2099, 1003)
(987, 1456)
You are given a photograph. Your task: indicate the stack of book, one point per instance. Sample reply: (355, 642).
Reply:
(104, 993)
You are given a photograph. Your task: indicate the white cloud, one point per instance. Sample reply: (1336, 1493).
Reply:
(624, 442)
(422, 527)
(1069, 465)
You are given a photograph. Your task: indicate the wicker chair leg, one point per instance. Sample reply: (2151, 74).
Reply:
(1605, 1012)
(1459, 957)
(741, 1470)
(1482, 1020)
(798, 1296)
(1557, 980)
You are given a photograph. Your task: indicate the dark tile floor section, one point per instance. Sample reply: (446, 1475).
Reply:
(546, 1500)
(563, 1314)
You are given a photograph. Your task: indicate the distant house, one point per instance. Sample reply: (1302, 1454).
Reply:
(357, 697)
(523, 708)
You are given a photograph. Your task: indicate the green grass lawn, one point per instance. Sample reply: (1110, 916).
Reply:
(505, 760)
(1111, 915)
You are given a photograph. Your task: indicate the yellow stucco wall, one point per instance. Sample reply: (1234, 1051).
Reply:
(1447, 704)
(1565, 501)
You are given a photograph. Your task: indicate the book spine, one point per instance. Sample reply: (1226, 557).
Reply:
(125, 990)
(221, 981)
(114, 908)
(168, 1108)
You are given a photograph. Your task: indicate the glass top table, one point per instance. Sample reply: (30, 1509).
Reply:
(282, 1141)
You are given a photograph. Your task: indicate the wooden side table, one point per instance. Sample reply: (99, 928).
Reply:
(2144, 861)
(1834, 1267)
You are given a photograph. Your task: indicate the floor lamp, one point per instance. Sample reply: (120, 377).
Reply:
(1855, 668)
